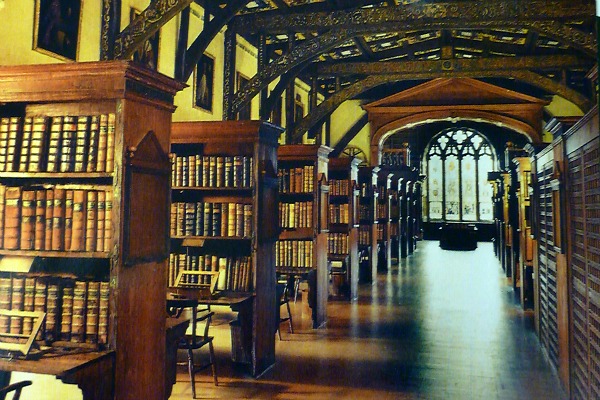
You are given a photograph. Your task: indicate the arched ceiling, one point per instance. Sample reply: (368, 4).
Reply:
(539, 48)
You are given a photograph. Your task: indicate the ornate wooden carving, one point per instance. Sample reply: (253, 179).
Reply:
(456, 64)
(111, 17)
(472, 13)
(301, 53)
(158, 13)
(228, 73)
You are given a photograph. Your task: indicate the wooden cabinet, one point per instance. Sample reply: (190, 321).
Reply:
(95, 137)
(367, 230)
(343, 226)
(303, 207)
(229, 171)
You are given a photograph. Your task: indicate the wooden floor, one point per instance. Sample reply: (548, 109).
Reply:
(440, 325)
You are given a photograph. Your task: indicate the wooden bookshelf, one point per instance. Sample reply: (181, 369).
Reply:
(382, 213)
(367, 230)
(343, 226)
(241, 183)
(395, 212)
(101, 134)
(303, 181)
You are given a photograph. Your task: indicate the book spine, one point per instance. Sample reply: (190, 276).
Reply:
(224, 219)
(101, 218)
(68, 218)
(216, 219)
(14, 141)
(108, 205)
(58, 220)
(82, 143)
(68, 142)
(102, 141)
(39, 303)
(205, 171)
(231, 219)
(220, 168)
(38, 144)
(5, 302)
(27, 220)
(77, 241)
(110, 143)
(180, 219)
(247, 220)
(66, 319)
(238, 176)
(17, 301)
(189, 219)
(40, 219)
(208, 224)
(78, 322)
(212, 172)
(92, 311)
(49, 219)
(12, 218)
(26, 144)
(228, 172)
(54, 145)
(4, 124)
(199, 228)
(103, 313)
(52, 312)
(91, 223)
(92, 155)
(28, 302)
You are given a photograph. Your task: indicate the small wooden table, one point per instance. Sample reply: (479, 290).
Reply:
(92, 372)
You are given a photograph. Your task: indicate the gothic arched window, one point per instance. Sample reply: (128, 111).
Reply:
(456, 164)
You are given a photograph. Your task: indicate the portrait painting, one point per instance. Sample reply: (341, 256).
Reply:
(204, 80)
(148, 53)
(57, 27)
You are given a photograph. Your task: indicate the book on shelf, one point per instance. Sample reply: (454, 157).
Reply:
(100, 220)
(40, 220)
(14, 143)
(295, 215)
(296, 179)
(91, 164)
(4, 123)
(26, 144)
(79, 218)
(49, 217)
(58, 220)
(28, 304)
(66, 319)
(27, 220)
(78, 318)
(68, 218)
(235, 273)
(91, 226)
(294, 254)
(17, 303)
(54, 144)
(338, 243)
(68, 143)
(5, 302)
(12, 217)
(92, 312)
(212, 171)
(110, 143)
(103, 313)
(82, 143)
(339, 213)
(52, 331)
(39, 302)
(108, 205)
(211, 219)
(38, 143)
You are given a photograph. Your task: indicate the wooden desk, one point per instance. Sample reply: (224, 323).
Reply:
(92, 372)
(242, 337)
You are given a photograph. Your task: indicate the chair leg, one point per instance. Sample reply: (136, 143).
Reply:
(191, 371)
(296, 288)
(213, 362)
(290, 317)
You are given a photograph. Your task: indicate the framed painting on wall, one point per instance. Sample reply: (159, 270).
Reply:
(148, 53)
(203, 83)
(56, 30)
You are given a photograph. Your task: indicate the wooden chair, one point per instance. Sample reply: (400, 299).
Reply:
(14, 387)
(283, 299)
(196, 341)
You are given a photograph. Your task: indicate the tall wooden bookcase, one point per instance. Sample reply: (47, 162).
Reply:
(343, 222)
(395, 212)
(367, 230)
(134, 174)
(303, 197)
(247, 153)
(382, 212)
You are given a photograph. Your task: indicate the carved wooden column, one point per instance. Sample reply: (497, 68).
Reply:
(229, 74)
(262, 63)
(111, 17)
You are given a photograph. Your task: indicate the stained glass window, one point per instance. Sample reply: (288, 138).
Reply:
(456, 165)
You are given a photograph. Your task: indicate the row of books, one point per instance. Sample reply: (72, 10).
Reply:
(339, 187)
(211, 219)
(76, 310)
(380, 233)
(294, 254)
(69, 143)
(55, 218)
(365, 189)
(394, 229)
(296, 215)
(211, 171)
(364, 235)
(381, 211)
(296, 180)
(339, 213)
(235, 273)
(337, 243)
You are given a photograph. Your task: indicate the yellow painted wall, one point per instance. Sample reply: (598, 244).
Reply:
(343, 119)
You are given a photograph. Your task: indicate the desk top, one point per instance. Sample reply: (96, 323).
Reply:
(56, 364)
(220, 299)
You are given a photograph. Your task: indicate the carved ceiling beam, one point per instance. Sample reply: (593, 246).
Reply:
(455, 64)
(212, 28)
(158, 13)
(364, 47)
(334, 101)
(405, 17)
(302, 53)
